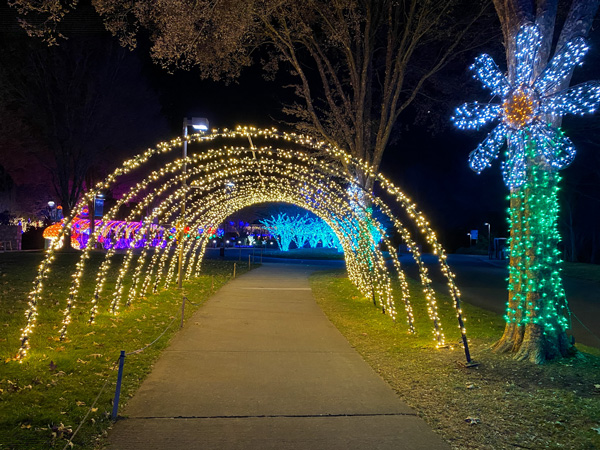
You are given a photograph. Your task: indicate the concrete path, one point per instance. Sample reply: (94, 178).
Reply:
(261, 367)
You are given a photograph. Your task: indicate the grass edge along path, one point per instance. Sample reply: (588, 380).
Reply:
(501, 404)
(43, 400)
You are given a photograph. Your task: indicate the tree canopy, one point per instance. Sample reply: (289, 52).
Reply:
(73, 106)
(354, 65)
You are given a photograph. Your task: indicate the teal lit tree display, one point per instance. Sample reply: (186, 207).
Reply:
(318, 229)
(301, 226)
(300, 230)
(534, 96)
(282, 228)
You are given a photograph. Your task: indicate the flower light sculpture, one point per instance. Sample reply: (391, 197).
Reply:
(222, 178)
(529, 107)
(532, 105)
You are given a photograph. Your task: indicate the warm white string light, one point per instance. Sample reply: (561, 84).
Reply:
(223, 180)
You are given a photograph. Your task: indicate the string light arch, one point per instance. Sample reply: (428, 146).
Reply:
(220, 180)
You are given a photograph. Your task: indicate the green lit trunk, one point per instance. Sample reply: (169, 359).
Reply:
(537, 315)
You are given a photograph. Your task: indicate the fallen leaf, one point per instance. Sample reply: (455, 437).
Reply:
(80, 403)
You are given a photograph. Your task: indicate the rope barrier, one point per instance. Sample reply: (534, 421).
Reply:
(583, 325)
(70, 441)
(190, 302)
(140, 350)
(134, 352)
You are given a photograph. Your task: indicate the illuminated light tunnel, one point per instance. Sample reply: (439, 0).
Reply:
(219, 180)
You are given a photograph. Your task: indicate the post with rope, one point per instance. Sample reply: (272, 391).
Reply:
(234, 266)
(118, 388)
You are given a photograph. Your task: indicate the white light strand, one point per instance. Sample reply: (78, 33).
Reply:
(528, 107)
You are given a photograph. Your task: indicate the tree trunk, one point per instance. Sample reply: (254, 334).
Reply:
(537, 313)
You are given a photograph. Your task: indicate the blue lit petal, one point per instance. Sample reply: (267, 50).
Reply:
(513, 167)
(569, 56)
(558, 150)
(489, 74)
(488, 150)
(528, 43)
(475, 115)
(581, 99)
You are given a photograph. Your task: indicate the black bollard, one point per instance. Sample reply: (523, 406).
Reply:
(118, 388)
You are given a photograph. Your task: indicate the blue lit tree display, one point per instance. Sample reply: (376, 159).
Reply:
(302, 227)
(534, 95)
(318, 229)
(282, 228)
(300, 230)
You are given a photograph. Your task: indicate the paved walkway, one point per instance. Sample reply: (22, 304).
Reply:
(261, 367)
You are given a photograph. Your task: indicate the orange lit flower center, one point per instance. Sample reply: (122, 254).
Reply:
(520, 108)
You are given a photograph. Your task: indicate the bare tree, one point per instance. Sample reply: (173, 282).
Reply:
(82, 102)
(356, 64)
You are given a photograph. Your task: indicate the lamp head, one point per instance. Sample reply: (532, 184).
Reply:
(197, 123)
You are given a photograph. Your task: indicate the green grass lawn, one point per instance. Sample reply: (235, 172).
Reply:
(514, 404)
(44, 399)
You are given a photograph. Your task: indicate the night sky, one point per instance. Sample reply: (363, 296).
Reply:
(430, 167)
(428, 161)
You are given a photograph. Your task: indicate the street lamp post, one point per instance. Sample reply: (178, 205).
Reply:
(469, 234)
(489, 240)
(199, 124)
